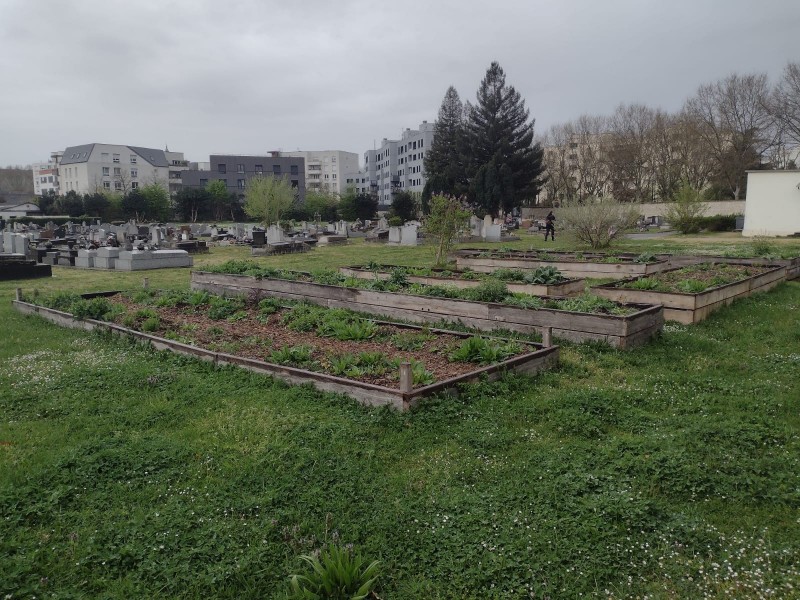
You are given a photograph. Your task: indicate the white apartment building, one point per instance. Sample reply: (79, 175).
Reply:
(45, 178)
(398, 165)
(91, 168)
(326, 169)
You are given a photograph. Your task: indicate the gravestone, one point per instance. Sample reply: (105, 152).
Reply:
(259, 238)
(85, 258)
(395, 235)
(408, 235)
(275, 235)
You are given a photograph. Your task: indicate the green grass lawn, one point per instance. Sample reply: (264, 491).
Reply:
(671, 471)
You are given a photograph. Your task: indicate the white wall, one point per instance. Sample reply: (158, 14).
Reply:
(773, 203)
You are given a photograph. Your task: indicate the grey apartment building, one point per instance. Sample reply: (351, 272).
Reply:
(398, 165)
(235, 170)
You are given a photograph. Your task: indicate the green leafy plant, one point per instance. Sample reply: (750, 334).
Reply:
(544, 275)
(488, 290)
(354, 330)
(645, 257)
(484, 351)
(294, 356)
(410, 341)
(269, 306)
(692, 286)
(645, 283)
(151, 324)
(337, 574)
(222, 308)
(762, 246)
(399, 276)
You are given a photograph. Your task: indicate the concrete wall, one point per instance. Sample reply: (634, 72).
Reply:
(657, 209)
(773, 203)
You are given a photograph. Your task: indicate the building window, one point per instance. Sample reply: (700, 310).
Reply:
(134, 185)
(333, 176)
(117, 171)
(225, 181)
(116, 158)
(221, 168)
(117, 185)
(240, 168)
(134, 172)
(107, 185)
(133, 159)
(106, 171)
(294, 169)
(204, 182)
(240, 184)
(295, 183)
(259, 169)
(333, 159)
(276, 169)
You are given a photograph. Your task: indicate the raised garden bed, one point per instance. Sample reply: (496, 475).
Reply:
(689, 294)
(467, 279)
(375, 362)
(571, 264)
(619, 330)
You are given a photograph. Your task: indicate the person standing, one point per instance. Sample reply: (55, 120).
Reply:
(550, 227)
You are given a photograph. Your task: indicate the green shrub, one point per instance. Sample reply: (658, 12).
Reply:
(589, 303)
(645, 257)
(354, 330)
(524, 301)
(336, 574)
(687, 210)
(199, 298)
(718, 223)
(762, 246)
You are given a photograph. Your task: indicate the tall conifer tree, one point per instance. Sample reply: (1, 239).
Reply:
(444, 160)
(504, 165)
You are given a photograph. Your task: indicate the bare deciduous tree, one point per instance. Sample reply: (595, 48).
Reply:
(785, 103)
(736, 124)
(628, 152)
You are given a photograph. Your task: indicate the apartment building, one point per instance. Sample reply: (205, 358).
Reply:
(398, 165)
(326, 169)
(91, 168)
(45, 175)
(235, 170)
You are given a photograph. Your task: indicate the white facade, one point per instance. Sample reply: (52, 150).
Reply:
(45, 178)
(94, 168)
(772, 206)
(398, 165)
(326, 169)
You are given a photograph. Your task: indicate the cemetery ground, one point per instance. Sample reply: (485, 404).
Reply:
(670, 471)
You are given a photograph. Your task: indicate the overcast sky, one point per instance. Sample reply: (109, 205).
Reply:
(249, 76)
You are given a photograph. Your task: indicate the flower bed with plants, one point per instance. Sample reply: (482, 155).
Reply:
(488, 306)
(593, 265)
(544, 281)
(333, 349)
(689, 294)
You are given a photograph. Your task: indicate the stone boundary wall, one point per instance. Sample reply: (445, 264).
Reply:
(656, 209)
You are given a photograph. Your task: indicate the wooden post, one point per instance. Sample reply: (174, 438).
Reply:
(146, 282)
(406, 377)
(547, 337)
(18, 294)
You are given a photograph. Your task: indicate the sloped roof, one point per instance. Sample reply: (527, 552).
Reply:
(81, 154)
(157, 158)
(77, 154)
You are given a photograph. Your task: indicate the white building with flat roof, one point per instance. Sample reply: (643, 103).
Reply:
(326, 169)
(398, 165)
(45, 178)
(772, 206)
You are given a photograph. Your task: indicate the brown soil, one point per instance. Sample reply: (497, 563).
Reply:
(712, 275)
(252, 338)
